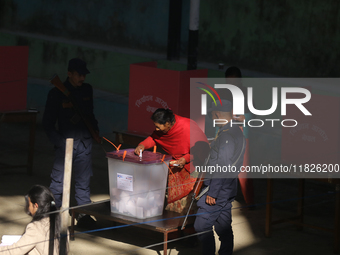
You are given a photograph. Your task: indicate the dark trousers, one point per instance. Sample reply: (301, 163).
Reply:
(219, 216)
(81, 171)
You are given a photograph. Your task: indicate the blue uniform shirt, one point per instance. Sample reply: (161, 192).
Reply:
(59, 110)
(227, 149)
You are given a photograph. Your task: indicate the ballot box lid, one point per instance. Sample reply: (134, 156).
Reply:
(148, 156)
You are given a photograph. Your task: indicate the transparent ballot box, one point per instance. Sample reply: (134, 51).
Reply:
(137, 185)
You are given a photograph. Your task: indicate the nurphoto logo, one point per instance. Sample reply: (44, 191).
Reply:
(238, 104)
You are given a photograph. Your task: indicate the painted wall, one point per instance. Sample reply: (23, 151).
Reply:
(109, 70)
(139, 24)
(291, 37)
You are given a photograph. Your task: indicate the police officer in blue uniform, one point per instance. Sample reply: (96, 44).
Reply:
(59, 112)
(214, 208)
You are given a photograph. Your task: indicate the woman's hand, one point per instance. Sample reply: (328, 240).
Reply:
(181, 162)
(138, 148)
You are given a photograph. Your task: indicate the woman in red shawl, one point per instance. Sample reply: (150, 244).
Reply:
(182, 139)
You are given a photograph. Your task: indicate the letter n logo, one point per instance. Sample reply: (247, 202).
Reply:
(204, 97)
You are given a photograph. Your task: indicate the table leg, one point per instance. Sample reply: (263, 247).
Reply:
(301, 194)
(337, 219)
(31, 144)
(165, 245)
(269, 207)
(72, 226)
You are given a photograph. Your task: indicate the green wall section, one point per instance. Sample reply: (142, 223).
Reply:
(109, 70)
(141, 24)
(296, 38)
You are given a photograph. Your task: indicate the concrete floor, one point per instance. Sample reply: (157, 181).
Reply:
(248, 225)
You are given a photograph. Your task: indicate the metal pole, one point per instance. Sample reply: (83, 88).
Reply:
(174, 30)
(193, 34)
(66, 196)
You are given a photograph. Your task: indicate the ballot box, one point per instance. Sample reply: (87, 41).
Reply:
(137, 185)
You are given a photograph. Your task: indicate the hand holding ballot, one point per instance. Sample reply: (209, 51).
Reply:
(138, 148)
(178, 163)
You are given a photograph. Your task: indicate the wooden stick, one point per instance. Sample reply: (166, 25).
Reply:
(64, 211)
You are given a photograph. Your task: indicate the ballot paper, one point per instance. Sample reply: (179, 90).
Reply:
(9, 239)
(145, 205)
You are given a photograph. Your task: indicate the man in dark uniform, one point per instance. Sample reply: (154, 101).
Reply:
(59, 110)
(214, 208)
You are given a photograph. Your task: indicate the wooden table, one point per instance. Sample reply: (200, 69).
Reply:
(166, 223)
(298, 219)
(23, 116)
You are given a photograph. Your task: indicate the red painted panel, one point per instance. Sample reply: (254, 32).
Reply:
(13, 77)
(152, 88)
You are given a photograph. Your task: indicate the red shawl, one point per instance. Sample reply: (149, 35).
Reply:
(177, 142)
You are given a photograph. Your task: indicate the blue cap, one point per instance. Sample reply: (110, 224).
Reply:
(78, 65)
